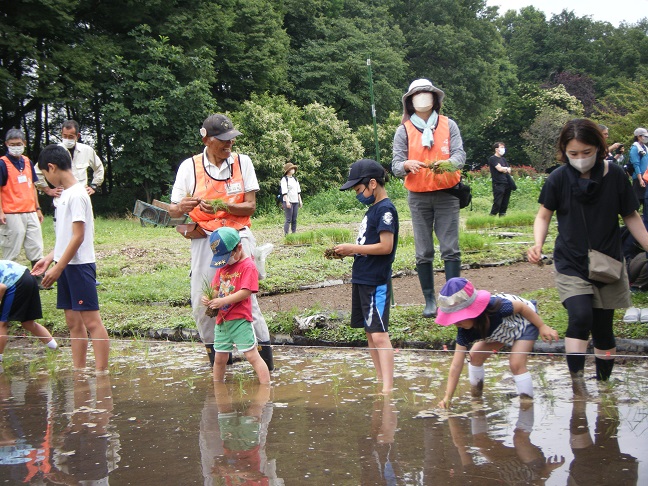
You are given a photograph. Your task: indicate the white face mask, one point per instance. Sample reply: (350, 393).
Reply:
(16, 151)
(68, 143)
(501, 150)
(423, 101)
(644, 139)
(583, 165)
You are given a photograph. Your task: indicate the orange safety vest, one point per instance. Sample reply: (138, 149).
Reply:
(17, 196)
(426, 180)
(230, 190)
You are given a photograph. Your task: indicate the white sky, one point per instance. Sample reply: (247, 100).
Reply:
(613, 11)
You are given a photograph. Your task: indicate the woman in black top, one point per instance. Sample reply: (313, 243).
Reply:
(588, 194)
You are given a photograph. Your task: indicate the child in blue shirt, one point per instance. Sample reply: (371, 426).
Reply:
(374, 253)
(20, 302)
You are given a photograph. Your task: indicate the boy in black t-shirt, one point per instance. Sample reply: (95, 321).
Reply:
(374, 253)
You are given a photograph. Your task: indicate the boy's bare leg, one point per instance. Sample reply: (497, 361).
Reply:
(78, 338)
(260, 367)
(100, 339)
(37, 330)
(4, 332)
(220, 363)
(382, 355)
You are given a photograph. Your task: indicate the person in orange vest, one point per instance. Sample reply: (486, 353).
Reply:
(218, 174)
(428, 153)
(20, 214)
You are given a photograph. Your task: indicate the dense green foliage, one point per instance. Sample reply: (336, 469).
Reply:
(140, 77)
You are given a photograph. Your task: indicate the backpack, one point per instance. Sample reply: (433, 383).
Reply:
(280, 195)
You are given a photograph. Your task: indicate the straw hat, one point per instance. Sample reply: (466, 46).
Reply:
(289, 166)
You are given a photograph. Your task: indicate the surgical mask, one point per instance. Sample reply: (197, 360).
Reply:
(501, 150)
(68, 143)
(368, 201)
(423, 101)
(644, 139)
(583, 165)
(16, 150)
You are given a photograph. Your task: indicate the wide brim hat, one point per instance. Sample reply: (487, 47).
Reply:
(219, 126)
(289, 166)
(459, 300)
(361, 170)
(420, 86)
(222, 242)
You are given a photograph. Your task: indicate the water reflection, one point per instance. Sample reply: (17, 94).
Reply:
(57, 430)
(160, 419)
(491, 461)
(378, 455)
(85, 450)
(599, 460)
(233, 436)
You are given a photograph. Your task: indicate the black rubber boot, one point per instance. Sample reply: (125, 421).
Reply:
(210, 353)
(426, 278)
(265, 350)
(452, 269)
(603, 368)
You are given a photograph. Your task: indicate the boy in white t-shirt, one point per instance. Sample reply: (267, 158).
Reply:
(74, 260)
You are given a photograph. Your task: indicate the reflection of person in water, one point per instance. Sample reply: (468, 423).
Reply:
(86, 450)
(524, 463)
(377, 453)
(24, 430)
(599, 461)
(242, 458)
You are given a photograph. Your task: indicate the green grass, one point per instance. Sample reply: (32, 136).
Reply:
(144, 271)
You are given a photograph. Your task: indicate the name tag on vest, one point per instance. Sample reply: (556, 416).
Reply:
(22, 178)
(233, 188)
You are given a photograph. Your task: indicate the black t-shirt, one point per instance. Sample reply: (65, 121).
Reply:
(375, 269)
(616, 198)
(497, 177)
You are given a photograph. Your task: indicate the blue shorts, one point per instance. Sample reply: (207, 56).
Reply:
(77, 288)
(530, 333)
(370, 307)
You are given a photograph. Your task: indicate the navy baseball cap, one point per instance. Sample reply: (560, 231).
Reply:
(219, 126)
(363, 169)
(222, 242)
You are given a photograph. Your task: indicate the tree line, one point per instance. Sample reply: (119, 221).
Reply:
(140, 77)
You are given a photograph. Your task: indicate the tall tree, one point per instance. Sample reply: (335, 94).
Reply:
(158, 102)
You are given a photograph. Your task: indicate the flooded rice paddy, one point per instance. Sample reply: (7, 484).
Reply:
(159, 419)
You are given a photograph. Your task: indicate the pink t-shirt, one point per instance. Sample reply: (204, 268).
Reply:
(230, 279)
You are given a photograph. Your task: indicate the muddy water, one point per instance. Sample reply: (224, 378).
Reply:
(159, 419)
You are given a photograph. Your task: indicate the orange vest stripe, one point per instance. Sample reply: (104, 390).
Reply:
(227, 191)
(18, 197)
(426, 180)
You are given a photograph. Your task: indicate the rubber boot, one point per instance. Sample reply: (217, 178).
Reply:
(452, 269)
(426, 278)
(210, 353)
(265, 350)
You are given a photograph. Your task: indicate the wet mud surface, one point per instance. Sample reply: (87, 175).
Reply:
(517, 278)
(158, 418)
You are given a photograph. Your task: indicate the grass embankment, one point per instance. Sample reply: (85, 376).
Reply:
(144, 271)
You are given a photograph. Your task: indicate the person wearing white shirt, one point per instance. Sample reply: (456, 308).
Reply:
(83, 157)
(218, 174)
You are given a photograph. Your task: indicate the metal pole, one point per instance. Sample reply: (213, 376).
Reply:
(373, 111)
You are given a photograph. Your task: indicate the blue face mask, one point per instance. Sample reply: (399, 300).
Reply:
(364, 199)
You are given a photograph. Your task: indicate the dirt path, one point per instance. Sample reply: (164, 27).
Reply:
(517, 279)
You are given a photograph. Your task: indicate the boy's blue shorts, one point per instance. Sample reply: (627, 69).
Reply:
(77, 288)
(370, 307)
